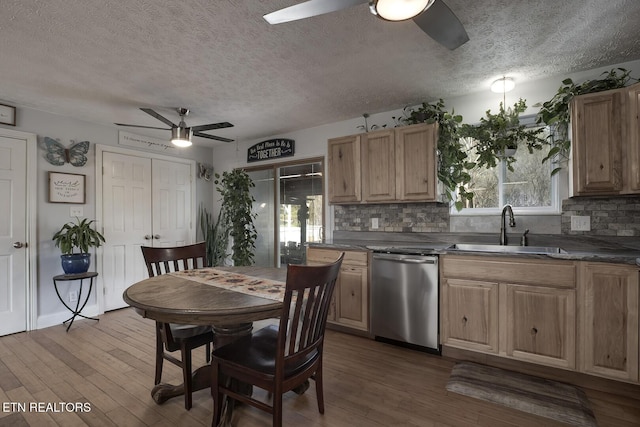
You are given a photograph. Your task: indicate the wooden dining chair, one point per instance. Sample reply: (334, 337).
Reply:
(171, 337)
(281, 357)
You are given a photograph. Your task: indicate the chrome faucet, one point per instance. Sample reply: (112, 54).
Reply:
(512, 223)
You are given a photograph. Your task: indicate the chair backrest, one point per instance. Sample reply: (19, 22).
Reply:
(164, 260)
(305, 309)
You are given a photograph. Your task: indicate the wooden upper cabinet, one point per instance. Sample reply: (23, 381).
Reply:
(633, 167)
(378, 166)
(416, 163)
(609, 320)
(344, 169)
(597, 132)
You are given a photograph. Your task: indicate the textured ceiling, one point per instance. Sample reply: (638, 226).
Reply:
(99, 60)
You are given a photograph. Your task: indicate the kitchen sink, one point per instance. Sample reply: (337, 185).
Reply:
(471, 247)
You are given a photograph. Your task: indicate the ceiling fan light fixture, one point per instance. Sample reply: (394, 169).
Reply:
(398, 10)
(503, 85)
(181, 136)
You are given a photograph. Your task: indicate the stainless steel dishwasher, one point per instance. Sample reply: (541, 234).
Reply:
(404, 299)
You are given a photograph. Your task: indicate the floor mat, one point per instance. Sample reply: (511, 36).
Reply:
(546, 398)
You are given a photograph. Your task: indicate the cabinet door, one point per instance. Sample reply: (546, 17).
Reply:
(470, 315)
(378, 166)
(597, 131)
(344, 169)
(540, 325)
(353, 297)
(634, 139)
(609, 320)
(416, 162)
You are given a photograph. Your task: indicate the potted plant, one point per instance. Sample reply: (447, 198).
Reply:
(453, 164)
(555, 112)
(215, 235)
(237, 203)
(497, 136)
(74, 240)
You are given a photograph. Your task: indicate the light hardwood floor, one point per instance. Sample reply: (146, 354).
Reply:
(110, 366)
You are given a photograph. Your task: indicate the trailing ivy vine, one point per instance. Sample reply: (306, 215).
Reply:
(555, 112)
(237, 203)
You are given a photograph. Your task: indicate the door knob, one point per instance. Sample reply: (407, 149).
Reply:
(147, 237)
(19, 245)
(156, 236)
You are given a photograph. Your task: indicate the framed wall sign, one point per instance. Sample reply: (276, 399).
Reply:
(7, 115)
(66, 187)
(271, 149)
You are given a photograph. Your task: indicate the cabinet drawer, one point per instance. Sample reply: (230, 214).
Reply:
(329, 255)
(560, 274)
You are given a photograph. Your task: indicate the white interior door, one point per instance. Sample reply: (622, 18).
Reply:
(171, 203)
(126, 213)
(13, 235)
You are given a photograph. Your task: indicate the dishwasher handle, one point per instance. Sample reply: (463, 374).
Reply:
(430, 260)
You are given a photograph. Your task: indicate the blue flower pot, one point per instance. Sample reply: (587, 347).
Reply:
(75, 263)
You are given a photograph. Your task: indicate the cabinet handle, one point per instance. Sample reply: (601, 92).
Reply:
(534, 331)
(464, 319)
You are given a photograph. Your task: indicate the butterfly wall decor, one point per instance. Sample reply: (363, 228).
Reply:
(57, 154)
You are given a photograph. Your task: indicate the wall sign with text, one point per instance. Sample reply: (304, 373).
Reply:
(66, 187)
(271, 149)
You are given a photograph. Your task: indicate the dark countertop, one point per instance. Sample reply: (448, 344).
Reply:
(621, 250)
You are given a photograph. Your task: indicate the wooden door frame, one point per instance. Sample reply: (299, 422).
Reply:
(100, 150)
(31, 199)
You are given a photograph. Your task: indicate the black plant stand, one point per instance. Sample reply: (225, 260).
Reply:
(78, 308)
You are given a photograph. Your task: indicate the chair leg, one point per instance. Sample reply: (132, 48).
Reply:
(277, 409)
(207, 349)
(319, 391)
(188, 379)
(216, 395)
(159, 357)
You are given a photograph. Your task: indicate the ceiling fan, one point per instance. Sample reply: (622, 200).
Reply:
(432, 16)
(180, 133)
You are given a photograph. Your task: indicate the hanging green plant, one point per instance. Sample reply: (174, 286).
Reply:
(453, 164)
(555, 112)
(497, 136)
(237, 203)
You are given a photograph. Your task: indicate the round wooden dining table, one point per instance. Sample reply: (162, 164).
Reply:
(177, 299)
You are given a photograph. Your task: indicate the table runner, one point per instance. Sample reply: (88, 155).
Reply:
(254, 286)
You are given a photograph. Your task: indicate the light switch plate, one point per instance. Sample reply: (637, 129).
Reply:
(580, 223)
(76, 211)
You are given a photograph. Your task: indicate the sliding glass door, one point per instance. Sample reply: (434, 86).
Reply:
(289, 210)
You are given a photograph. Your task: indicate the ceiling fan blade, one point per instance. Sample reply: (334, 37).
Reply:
(138, 126)
(164, 120)
(217, 138)
(220, 125)
(308, 9)
(442, 25)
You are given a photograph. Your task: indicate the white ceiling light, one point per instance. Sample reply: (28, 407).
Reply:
(503, 85)
(181, 136)
(398, 10)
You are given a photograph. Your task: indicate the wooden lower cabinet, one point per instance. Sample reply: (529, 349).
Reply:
(471, 315)
(513, 307)
(350, 303)
(575, 315)
(609, 321)
(540, 325)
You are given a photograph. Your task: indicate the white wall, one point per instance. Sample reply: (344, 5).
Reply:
(51, 216)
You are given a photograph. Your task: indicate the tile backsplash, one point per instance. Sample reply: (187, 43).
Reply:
(609, 216)
(395, 217)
